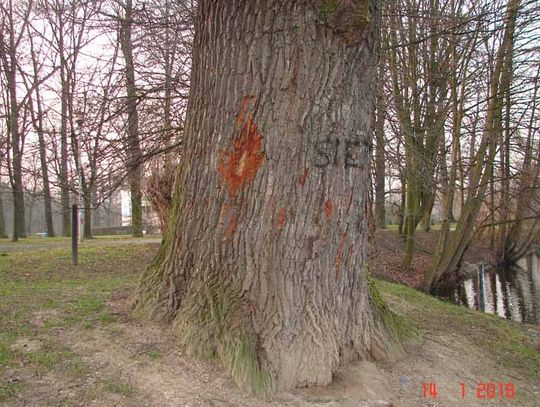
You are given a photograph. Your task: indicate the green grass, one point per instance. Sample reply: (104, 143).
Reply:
(107, 318)
(43, 283)
(49, 359)
(436, 226)
(7, 355)
(110, 385)
(66, 240)
(501, 339)
(154, 354)
(9, 390)
(42, 292)
(75, 369)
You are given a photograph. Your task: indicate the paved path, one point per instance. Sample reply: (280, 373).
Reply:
(12, 247)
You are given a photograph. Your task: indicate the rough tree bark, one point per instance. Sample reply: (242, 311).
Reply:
(264, 263)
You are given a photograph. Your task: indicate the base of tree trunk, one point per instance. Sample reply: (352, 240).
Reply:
(214, 321)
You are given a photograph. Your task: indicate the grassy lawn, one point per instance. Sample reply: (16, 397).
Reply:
(43, 295)
(60, 239)
(436, 226)
(510, 343)
(45, 301)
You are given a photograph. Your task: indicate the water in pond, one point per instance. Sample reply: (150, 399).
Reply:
(512, 292)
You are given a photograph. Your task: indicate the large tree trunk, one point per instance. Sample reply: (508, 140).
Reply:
(264, 263)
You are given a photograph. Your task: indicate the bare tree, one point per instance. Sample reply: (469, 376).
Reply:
(132, 140)
(450, 249)
(14, 19)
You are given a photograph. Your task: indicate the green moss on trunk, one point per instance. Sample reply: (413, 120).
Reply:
(346, 15)
(211, 324)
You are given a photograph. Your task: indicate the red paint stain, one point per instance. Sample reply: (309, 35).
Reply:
(282, 218)
(232, 226)
(242, 112)
(340, 253)
(240, 164)
(329, 209)
(303, 178)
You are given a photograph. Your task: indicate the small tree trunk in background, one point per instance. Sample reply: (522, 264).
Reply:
(47, 200)
(64, 123)
(19, 223)
(518, 238)
(3, 232)
(64, 185)
(134, 155)
(87, 201)
(30, 215)
(411, 214)
(426, 213)
(9, 44)
(504, 151)
(402, 203)
(447, 190)
(264, 263)
(37, 121)
(380, 164)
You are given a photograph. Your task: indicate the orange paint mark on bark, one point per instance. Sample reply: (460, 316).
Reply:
(303, 178)
(232, 226)
(329, 209)
(240, 164)
(340, 253)
(282, 218)
(243, 109)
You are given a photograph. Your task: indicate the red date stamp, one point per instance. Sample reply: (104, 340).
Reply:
(487, 390)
